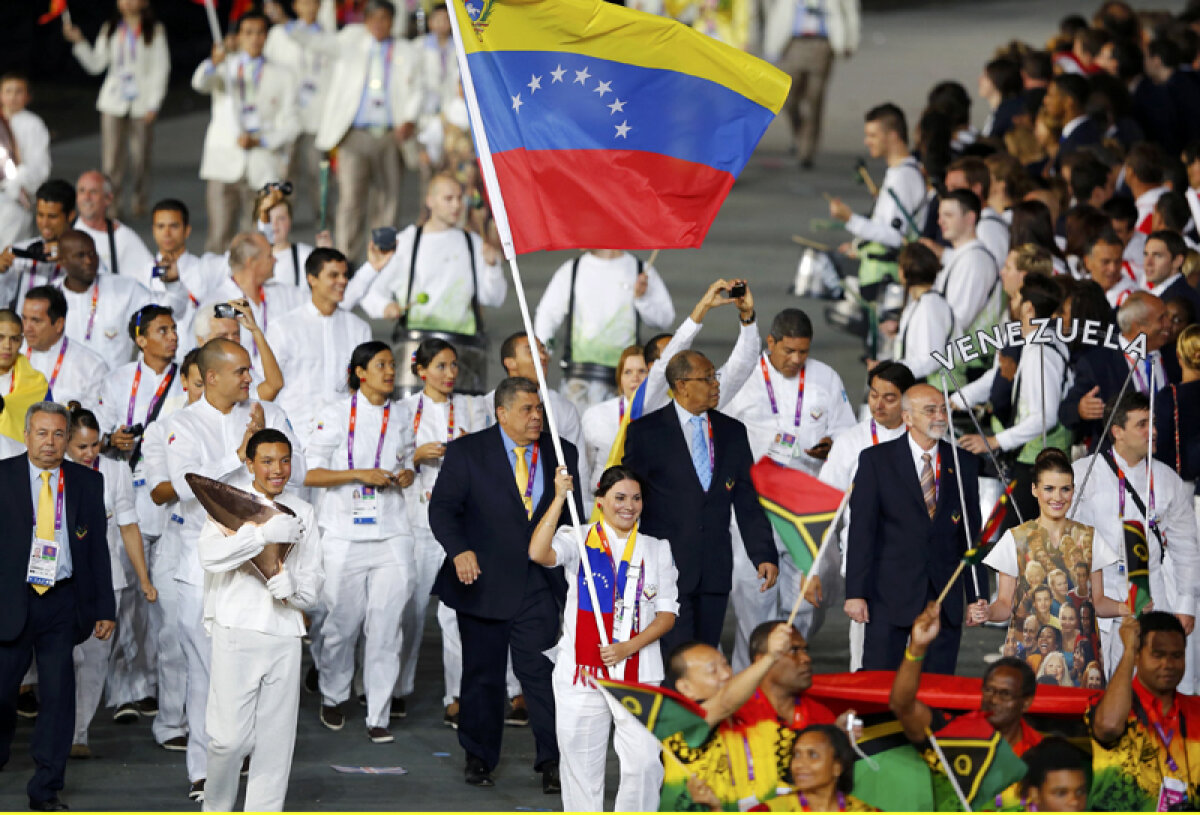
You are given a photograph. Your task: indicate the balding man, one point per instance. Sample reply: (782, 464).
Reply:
(209, 437)
(1100, 371)
(251, 266)
(98, 306)
(119, 247)
(695, 463)
(906, 537)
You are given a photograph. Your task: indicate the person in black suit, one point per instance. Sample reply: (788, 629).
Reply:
(1066, 101)
(906, 537)
(1100, 371)
(43, 497)
(494, 488)
(695, 463)
(1163, 263)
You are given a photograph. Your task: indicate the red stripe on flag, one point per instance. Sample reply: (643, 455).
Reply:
(607, 199)
(57, 7)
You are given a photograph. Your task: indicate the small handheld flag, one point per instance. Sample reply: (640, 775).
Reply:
(1137, 562)
(799, 507)
(990, 534)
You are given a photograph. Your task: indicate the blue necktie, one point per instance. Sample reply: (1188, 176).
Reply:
(700, 458)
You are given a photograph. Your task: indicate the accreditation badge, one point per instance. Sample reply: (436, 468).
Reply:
(364, 506)
(308, 90)
(129, 88)
(783, 448)
(251, 120)
(43, 563)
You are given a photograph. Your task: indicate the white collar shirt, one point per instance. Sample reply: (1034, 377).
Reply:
(79, 377)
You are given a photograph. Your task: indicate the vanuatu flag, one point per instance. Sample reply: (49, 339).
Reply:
(799, 506)
(990, 534)
(1137, 555)
(603, 126)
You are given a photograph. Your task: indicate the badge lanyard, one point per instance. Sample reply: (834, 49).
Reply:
(62, 352)
(874, 434)
(387, 412)
(771, 391)
(87, 336)
(12, 383)
(1121, 497)
(449, 418)
(532, 473)
(33, 275)
(130, 39)
(620, 411)
(58, 503)
(158, 394)
(255, 79)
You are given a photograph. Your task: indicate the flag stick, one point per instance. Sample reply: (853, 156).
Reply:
(1100, 442)
(214, 27)
(962, 495)
(1042, 394)
(653, 257)
(1150, 455)
(866, 177)
(500, 214)
(1000, 471)
(812, 569)
(937, 748)
(803, 241)
(827, 196)
(946, 589)
(322, 217)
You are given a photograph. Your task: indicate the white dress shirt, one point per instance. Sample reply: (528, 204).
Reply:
(327, 449)
(825, 412)
(98, 317)
(79, 377)
(17, 194)
(313, 351)
(62, 568)
(1098, 506)
(887, 224)
(926, 325)
(442, 288)
(992, 231)
(606, 310)
(471, 414)
(970, 282)
(659, 594)
(689, 431)
(289, 267)
(205, 441)
(600, 425)
(133, 258)
(234, 594)
(733, 374)
(1037, 393)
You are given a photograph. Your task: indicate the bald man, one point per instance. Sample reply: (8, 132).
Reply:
(209, 437)
(906, 537)
(119, 247)
(98, 306)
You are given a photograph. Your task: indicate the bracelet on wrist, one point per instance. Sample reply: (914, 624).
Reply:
(753, 316)
(911, 657)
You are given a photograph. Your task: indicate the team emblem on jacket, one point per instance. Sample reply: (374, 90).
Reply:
(80, 531)
(729, 482)
(651, 591)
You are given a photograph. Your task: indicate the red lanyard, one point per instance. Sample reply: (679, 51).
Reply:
(620, 409)
(12, 384)
(62, 352)
(874, 434)
(762, 361)
(449, 418)
(168, 377)
(58, 503)
(92, 317)
(387, 412)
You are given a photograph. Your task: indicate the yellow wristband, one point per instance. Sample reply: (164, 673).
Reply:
(908, 655)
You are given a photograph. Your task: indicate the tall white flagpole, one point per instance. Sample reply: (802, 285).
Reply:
(214, 27)
(496, 199)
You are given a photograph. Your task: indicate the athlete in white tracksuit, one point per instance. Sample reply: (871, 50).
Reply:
(92, 655)
(645, 610)
(437, 415)
(359, 451)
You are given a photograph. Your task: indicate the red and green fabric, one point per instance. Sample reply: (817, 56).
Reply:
(743, 759)
(990, 534)
(799, 507)
(1137, 559)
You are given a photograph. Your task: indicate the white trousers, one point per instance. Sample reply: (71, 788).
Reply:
(253, 702)
(366, 589)
(197, 655)
(858, 634)
(127, 678)
(582, 722)
(427, 559)
(91, 668)
(171, 721)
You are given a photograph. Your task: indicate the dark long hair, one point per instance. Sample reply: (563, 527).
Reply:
(361, 358)
(148, 22)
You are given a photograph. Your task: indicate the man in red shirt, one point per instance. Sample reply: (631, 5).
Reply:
(782, 689)
(1008, 688)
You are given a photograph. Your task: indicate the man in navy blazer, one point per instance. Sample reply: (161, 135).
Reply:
(1066, 100)
(901, 554)
(47, 625)
(695, 463)
(484, 522)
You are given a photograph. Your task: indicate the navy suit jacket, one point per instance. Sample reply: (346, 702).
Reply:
(86, 526)
(695, 521)
(475, 506)
(1095, 366)
(896, 553)
(1086, 134)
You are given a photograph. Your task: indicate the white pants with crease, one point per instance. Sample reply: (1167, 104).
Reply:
(197, 654)
(253, 702)
(171, 721)
(91, 668)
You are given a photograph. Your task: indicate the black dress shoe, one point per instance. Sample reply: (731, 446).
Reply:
(27, 705)
(49, 805)
(551, 785)
(477, 774)
(312, 679)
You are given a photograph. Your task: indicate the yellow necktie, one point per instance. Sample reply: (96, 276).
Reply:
(45, 517)
(522, 476)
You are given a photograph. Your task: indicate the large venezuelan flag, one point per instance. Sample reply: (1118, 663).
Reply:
(607, 127)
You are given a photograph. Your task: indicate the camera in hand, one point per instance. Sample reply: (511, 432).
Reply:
(35, 251)
(384, 238)
(737, 290)
(284, 187)
(136, 430)
(225, 311)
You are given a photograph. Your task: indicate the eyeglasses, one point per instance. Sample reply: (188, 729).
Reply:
(712, 378)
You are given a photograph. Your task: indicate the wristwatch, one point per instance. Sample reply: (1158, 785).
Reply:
(753, 316)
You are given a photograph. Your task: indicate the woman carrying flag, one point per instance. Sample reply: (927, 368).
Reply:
(634, 580)
(1051, 535)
